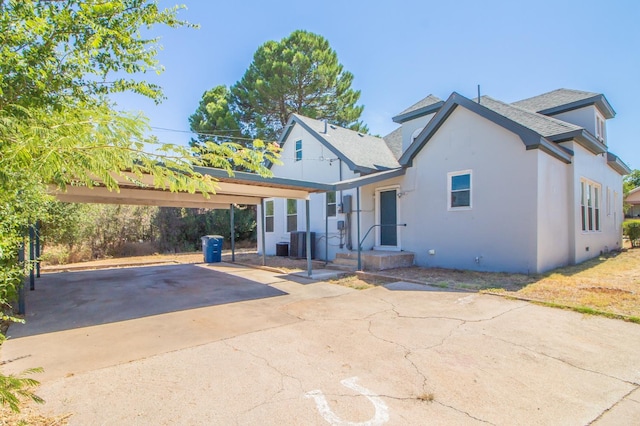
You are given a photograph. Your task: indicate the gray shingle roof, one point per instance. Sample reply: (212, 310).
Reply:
(541, 124)
(363, 151)
(424, 106)
(394, 142)
(428, 101)
(561, 100)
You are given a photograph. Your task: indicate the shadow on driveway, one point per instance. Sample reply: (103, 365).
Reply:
(70, 300)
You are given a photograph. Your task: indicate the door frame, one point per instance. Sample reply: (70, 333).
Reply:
(378, 246)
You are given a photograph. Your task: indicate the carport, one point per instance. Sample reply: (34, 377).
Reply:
(242, 188)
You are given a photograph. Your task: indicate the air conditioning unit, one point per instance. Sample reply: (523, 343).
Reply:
(298, 244)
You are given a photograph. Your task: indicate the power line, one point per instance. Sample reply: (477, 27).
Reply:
(219, 135)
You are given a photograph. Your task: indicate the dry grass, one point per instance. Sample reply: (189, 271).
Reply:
(426, 397)
(29, 416)
(608, 284)
(360, 282)
(284, 264)
(458, 279)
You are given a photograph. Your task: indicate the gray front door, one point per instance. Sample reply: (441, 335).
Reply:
(388, 218)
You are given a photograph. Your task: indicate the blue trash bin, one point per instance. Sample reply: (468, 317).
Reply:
(212, 248)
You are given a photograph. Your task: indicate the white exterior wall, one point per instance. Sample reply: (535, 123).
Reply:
(408, 127)
(314, 167)
(583, 117)
(499, 229)
(555, 190)
(594, 168)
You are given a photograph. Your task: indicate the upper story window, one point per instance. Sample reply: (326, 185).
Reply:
(415, 133)
(298, 154)
(292, 215)
(268, 216)
(331, 203)
(590, 193)
(459, 190)
(600, 128)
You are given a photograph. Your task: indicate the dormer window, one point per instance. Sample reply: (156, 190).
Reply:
(600, 128)
(298, 154)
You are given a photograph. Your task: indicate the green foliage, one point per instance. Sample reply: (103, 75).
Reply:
(299, 74)
(180, 229)
(12, 388)
(59, 61)
(60, 52)
(631, 229)
(631, 181)
(213, 120)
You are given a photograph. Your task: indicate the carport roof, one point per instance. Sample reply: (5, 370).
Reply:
(241, 188)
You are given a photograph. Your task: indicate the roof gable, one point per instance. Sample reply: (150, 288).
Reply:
(563, 100)
(361, 153)
(394, 142)
(518, 122)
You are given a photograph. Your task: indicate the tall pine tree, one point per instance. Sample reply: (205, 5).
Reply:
(299, 74)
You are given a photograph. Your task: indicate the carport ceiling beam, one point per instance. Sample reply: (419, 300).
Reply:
(250, 189)
(253, 190)
(151, 197)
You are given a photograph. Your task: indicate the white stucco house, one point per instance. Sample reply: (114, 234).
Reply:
(461, 183)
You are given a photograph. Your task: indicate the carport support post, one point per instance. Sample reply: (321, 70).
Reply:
(262, 232)
(37, 248)
(326, 231)
(233, 234)
(358, 225)
(308, 213)
(21, 295)
(32, 255)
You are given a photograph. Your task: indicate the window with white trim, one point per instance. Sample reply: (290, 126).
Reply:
(331, 203)
(459, 191)
(600, 128)
(590, 205)
(292, 215)
(298, 154)
(268, 216)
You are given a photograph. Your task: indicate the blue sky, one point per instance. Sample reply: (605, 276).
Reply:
(402, 51)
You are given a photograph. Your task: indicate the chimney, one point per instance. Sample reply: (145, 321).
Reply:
(325, 126)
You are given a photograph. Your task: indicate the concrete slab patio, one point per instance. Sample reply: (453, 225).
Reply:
(315, 353)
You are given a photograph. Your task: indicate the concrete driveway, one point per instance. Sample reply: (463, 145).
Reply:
(302, 352)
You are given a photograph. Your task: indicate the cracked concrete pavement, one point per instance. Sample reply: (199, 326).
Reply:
(481, 359)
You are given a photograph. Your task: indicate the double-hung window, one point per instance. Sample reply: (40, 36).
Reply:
(590, 193)
(268, 216)
(331, 204)
(459, 193)
(292, 215)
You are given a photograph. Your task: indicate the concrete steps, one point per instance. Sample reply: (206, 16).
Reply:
(372, 260)
(344, 263)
